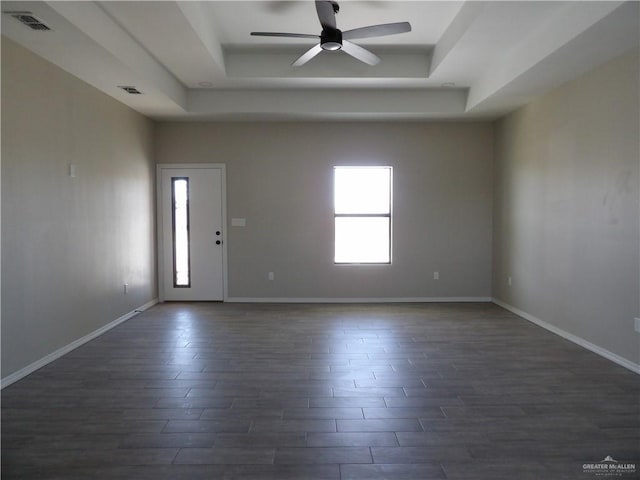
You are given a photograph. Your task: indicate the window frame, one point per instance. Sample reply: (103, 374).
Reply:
(388, 215)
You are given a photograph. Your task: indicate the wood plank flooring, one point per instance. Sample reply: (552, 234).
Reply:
(305, 392)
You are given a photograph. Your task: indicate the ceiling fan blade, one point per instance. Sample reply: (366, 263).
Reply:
(308, 55)
(377, 30)
(360, 53)
(326, 14)
(280, 34)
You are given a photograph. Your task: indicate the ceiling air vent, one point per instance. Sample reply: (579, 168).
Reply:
(130, 89)
(28, 19)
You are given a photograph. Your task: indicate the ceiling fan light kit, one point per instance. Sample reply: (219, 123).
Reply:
(333, 39)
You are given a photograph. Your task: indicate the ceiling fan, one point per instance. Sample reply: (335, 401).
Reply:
(333, 39)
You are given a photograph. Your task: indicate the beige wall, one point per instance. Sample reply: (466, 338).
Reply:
(279, 177)
(69, 244)
(566, 208)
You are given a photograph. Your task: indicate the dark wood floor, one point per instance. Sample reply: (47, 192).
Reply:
(304, 392)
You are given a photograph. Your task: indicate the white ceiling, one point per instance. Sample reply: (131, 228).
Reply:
(196, 60)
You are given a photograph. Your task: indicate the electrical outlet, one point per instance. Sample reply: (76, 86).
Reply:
(436, 275)
(637, 324)
(271, 276)
(509, 281)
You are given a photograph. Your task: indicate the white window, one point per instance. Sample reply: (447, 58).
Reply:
(181, 244)
(362, 202)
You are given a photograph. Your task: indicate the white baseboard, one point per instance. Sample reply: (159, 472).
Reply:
(358, 300)
(634, 367)
(23, 372)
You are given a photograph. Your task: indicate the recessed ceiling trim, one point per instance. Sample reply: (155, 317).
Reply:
(378, 103)
(106, 34)
(277, 64)
(551, 38)
(456, 30)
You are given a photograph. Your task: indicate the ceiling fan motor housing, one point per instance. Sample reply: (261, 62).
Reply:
(331, 39)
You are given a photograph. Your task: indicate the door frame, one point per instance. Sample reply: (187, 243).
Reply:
(160, 167)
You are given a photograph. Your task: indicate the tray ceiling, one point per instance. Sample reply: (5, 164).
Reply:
(196, 60)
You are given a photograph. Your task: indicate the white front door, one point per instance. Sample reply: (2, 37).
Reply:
(191, 222)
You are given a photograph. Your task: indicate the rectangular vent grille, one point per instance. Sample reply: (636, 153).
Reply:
(28, 19)
(130, 89)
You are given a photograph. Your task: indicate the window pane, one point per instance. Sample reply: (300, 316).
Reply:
(180, 187)
(362, 190)
(362, 240)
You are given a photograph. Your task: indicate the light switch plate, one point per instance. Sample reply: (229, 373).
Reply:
(238, 222)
